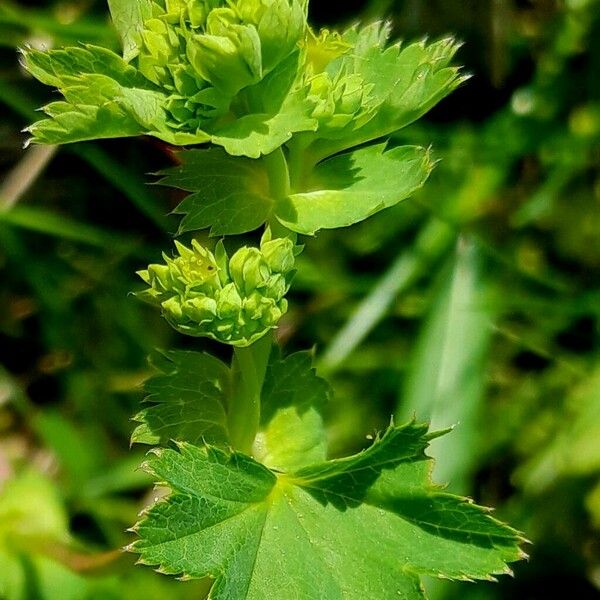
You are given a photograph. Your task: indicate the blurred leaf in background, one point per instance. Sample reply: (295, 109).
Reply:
(477, 304)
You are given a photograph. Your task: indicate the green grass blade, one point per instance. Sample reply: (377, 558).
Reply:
(44, 221)
(22, 177)
(434, 240)
(446, 378)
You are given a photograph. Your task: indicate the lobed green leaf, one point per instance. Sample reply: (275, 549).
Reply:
(362, 527)
(259, 134)
(230, 195)
(186, 400)
(404, 83)
(351, 187)
(246, 75)
(292, 432)
(129, 18)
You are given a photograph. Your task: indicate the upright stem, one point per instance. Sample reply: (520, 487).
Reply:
(250, 364)
(249, 368)
(297, 162)
(280, 188)
(279, 176)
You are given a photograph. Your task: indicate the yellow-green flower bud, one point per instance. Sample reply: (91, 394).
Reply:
(322, 49)
(202, 53)
(235, 301)
(230, 303)
(276, 286)
(249, 270)
(279, 253)
(339, 101)
(228, 54)
(280, 26)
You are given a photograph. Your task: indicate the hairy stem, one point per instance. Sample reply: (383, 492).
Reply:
(249, 368)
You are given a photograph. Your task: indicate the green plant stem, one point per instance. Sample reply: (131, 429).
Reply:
(249, 368)
(297, 163)
(279, 184)
(250, 364)
(278, 173)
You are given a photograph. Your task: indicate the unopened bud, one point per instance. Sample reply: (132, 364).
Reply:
(235, 301)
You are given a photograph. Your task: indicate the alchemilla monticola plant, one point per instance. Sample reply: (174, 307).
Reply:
(282, 129)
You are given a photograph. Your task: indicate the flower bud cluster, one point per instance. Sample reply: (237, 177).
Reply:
(338, 98)
(204, 52)
(233, 300)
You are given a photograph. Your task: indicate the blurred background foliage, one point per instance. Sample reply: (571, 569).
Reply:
(476, 304)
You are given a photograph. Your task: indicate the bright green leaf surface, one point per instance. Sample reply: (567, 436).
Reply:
(247, 79)
(355, 528)
(104, 96)
(75, 123)
(292, 432)
(259, 134)
(184, 69)
(350, 187)
(404, 81)
(55, 67)
(230, 195)
(186, 400)
(128, 18)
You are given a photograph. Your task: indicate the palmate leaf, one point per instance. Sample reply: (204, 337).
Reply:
(292, 433)
(351, 187)
(128, 18)
(362, 527)
(104, 97)
(404, 81)
(186, 400)
(259, 134)
(77, 122)
(285, 111)
(109, 98)
(247, 87)
(191, 78)
(403, 76)
(230, 195)
(55, 66)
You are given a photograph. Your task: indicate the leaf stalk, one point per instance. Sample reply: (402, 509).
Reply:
(249, 370)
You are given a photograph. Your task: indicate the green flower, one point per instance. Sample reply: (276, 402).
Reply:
(246, 75)
(203, 53)
(339, 100)
(191, 70)
(233, 300)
